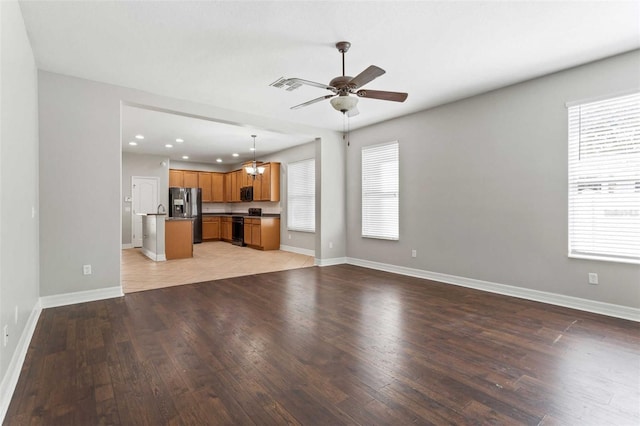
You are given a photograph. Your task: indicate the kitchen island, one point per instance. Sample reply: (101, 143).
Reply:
(153, 235)
(178, 238)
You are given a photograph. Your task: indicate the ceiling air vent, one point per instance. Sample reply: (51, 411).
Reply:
(285, 83)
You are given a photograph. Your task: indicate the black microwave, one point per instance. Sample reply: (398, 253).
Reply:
(246, 193)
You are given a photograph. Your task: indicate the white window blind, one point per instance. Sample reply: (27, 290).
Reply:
(301, 196)
(604, 179)
(380, 191)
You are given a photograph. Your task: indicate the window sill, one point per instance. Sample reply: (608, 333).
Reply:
(604, 258)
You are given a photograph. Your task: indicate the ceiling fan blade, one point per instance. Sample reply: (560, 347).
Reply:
(366, 76)
(313, 101)
(381, 94)
(312, 83)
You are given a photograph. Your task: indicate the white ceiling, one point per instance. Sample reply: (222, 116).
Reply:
(226, 53)
(204, 141)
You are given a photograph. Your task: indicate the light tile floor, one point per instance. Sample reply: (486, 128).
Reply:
(211, 260)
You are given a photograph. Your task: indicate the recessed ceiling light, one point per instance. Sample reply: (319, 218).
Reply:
(139, 137)
(235, 154)
(168, 145)
(219, 160)
(179, 140)
(185, 157)
(252, 149)
(132, 143)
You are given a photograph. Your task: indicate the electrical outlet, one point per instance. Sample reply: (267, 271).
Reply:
(593, 278)
(86, 269)
(5, 333)
(414, 253)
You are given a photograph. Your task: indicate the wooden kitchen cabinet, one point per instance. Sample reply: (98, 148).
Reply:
(226, 228)
(178, 239)
(228, 188)
(210, 227)
(205, 184)
(176, 179)
(267, 186)
(190, 179)
(252, 232)
(262, 233)
(217, 187)
(236, 182)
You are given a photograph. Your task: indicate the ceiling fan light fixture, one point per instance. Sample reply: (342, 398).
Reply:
(344, 103)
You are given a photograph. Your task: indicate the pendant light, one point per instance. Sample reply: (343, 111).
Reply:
(254, 170)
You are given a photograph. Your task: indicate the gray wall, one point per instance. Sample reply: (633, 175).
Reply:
(331, 177)
(81, 153)
(302, 240)
(483, 187)
(143, 166)
(18, 180)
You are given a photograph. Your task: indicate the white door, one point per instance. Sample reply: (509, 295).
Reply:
(144, 199)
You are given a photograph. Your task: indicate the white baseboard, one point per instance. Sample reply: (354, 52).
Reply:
(153, 256)
(127, 246)
(80, 297)
(330, 262)
(10, 380)
(609, 309)
(298, 250)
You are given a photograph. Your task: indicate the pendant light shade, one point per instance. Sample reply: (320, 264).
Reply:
(254, 170)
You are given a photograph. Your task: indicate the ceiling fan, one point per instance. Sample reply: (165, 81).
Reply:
(343, 86)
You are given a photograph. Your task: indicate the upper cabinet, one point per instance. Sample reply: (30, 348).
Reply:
(266, 187)
(176, 179)
(183, 178)
(191, 179)
(217, 187)
(205, 183)
(225, 187)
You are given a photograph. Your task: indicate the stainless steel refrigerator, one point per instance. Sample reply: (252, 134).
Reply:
(187, 203)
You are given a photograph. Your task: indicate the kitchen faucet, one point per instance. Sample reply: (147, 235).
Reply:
(163, 209)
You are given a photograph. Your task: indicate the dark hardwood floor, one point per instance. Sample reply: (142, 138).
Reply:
(327, 346)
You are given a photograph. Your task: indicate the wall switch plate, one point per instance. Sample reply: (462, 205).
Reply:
(86, 269)
(414, 253)
(289, 236)
(593, 278)
(330, 245)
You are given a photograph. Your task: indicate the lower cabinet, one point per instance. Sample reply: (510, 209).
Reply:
(211, 228)
(226, 228)
(178, 239)
(262, 233)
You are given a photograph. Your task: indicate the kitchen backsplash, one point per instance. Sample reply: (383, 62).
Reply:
(266, 206)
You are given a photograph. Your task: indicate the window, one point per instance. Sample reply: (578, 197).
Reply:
(380, 176)
(604, 179)
(301, 196)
